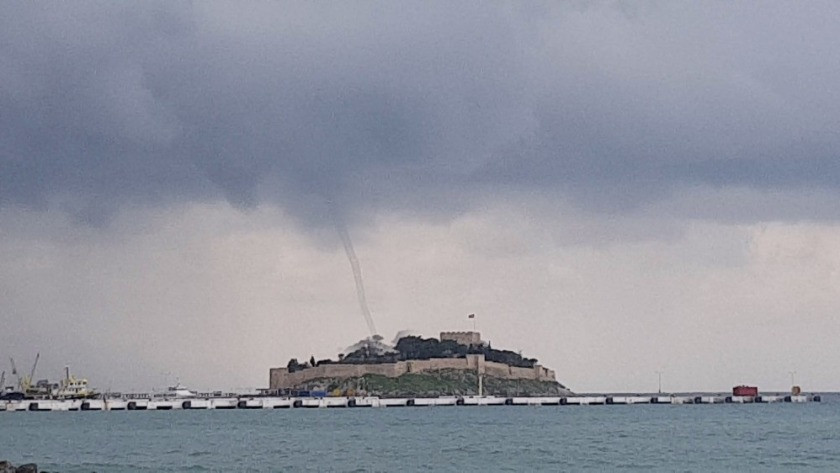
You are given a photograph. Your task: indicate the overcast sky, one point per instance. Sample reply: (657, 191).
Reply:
(614, 188)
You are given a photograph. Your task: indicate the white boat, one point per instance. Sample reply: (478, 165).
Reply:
(179, 392)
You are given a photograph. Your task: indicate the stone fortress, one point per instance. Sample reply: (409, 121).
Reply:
(282, 378)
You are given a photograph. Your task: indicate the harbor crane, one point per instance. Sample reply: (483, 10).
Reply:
(34, 365)
(26, 382)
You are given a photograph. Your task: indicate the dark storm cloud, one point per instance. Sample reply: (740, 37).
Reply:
(104, 105)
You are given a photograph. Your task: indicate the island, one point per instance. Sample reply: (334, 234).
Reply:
(457, 364)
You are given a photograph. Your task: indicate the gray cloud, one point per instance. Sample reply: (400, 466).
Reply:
(585, 176)
(421, 106)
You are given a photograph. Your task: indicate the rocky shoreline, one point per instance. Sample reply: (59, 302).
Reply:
(6, 467)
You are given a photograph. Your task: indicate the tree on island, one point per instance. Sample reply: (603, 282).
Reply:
(418, 348)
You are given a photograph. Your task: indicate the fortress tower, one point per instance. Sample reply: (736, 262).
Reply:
(463, 338)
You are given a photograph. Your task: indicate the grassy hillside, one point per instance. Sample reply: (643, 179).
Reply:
(434, 384)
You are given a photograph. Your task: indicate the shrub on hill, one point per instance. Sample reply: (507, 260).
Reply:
(418, 348)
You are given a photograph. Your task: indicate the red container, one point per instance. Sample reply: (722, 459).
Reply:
(745, 391)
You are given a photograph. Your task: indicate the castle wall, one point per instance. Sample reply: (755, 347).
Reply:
(280, 378)
(463, 338)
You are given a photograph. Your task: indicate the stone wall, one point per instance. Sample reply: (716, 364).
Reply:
(280, 378)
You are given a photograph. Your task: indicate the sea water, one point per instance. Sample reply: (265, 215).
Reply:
(752, 437)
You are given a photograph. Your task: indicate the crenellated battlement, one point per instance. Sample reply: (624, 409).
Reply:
(463, 338)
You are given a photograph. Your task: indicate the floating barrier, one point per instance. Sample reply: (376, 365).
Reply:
(583, 401)
(138, 405)
(224, 403)
(739, 399)
(256, 402)
(196, 404)
(401, 402)
(276, 403)
(708, 400)
(164, 405)
(612, 400)
(92, 405)
(250, 404)
(764, 399)
(116, 404)
(796, 399)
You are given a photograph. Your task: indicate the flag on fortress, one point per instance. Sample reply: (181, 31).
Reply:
(471, 316)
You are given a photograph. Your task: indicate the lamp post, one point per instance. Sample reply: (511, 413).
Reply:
(659, 374)
(792, 378)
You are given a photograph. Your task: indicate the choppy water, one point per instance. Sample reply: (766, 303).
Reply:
(770, 437)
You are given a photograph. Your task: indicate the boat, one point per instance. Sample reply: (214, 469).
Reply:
(26, 384)
(11, 394)
(68, 388)
(72, 387)
(179, 392)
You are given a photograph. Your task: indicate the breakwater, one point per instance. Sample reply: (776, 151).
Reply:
(259, 402)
